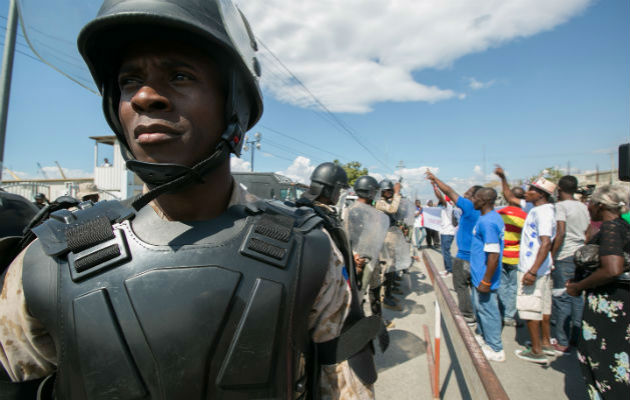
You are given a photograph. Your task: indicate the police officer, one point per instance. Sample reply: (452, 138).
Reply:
(366, 189)
(327, 181)
(389, 203)
(190, 290)
(40, 200)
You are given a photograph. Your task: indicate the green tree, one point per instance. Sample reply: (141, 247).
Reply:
(353, 170)
(551, 173)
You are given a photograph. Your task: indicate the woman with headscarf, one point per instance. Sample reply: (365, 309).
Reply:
(604, 348)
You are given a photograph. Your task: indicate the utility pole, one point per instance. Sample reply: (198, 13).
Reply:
(612, 165)
(400, 166)
(483, 180)
(597, 173)
(255, 144)
(5, 74)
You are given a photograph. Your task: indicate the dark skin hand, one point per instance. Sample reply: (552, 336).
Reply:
(491, 267)
(438, 194)
(446, 189)
(507, 193)
(545, 246)
(359, 263)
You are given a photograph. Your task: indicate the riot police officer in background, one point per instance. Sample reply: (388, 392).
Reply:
(40, 200)
(367, 228)
(327, 181)
(389, 203)
(190, 290)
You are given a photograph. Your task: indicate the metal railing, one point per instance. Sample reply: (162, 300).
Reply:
(481, 381)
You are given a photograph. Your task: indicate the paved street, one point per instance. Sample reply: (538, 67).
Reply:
(403, 369)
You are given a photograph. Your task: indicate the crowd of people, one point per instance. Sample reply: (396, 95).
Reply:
(551, 259)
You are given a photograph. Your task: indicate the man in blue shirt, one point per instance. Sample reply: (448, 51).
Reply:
(485, 256)
(461, 264)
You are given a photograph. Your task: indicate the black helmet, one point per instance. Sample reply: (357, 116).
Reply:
(366, 187)
(327, 180)
(213, 25)
(40, 196)
(386, 184)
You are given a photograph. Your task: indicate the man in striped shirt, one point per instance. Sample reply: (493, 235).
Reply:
(514, 219)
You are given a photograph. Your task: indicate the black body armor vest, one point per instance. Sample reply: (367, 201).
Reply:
(147, 308)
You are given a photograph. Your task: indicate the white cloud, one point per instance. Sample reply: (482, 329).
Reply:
(476, 85)
(47, 172)
(356, 53)
(239, 165)
(52, 172)
(300, 170)
(477, 170)
(414, 183)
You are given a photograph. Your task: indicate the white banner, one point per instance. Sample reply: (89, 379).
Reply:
(432, 217)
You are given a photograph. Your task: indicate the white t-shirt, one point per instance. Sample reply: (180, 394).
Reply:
(541, 221)
(417, 221)
(447, 227)
(576, 217)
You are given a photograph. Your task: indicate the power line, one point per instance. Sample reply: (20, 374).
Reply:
(61, 39)
(290, 150)
(24, 54)
(338, 121)
(301, 141)
(277, 156)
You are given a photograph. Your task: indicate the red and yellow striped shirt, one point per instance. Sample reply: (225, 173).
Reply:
(514, 219)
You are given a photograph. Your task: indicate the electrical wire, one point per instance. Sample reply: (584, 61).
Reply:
(345, 128)
(290, 150)
(301, 142)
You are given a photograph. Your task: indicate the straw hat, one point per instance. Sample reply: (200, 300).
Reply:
(86, 189)
(544, 185)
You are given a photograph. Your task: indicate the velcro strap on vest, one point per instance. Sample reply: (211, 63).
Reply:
(89, 233)
(350, 342)
(94, 243)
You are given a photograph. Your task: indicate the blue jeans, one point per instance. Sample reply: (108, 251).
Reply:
(447, 241)
(486, 306)
(567, 310)
(507, 292)
(418, 236)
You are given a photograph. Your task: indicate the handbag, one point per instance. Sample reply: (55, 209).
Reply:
(586, 260)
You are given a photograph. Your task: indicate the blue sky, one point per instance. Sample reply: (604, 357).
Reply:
(533, 90)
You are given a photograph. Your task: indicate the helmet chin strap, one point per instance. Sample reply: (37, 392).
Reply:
(163, 178)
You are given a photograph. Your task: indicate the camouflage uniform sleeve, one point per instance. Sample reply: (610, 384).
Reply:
(389, 208)
(27, 351)
(331, 307)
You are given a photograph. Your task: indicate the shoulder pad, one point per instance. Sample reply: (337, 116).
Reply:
(304, 219)
(52, 233)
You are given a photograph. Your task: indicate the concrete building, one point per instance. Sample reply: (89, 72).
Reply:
(598, 178)
(112, 178)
